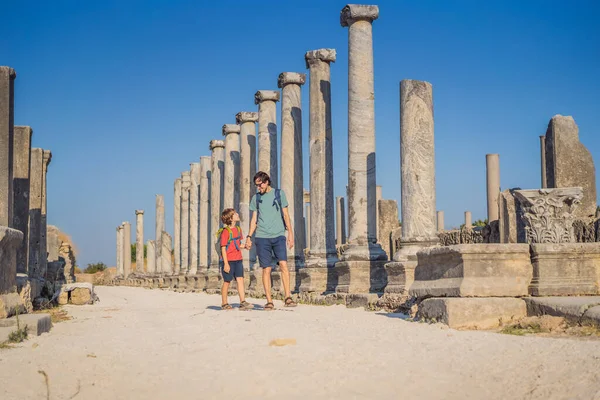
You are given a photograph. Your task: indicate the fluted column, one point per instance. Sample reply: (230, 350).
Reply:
(247, 122)
(47, 158)
(205, 236)
(492, 164)
(7, 90)
(217, 161)
(186, 183)
(362, 207)
(231, 178)
(126, 249)
(139, 241)
(194, 209)
(340, 221)
(267, 133)
(292, 176)
(176, 226)
(21, 166)
(322, 237)
(159, 228)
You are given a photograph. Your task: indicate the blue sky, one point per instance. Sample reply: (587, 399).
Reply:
(127, 93)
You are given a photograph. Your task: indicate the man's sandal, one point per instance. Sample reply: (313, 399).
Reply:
(288, 302)
(269, 306)
(226, 307)
(244, 305)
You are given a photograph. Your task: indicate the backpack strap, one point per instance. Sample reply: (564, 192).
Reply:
(277, 204)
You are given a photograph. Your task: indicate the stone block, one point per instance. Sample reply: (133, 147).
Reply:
(565, 269)
(81, 296)
(592, 317)
(400, 276)
(10, 241)
(313, 279)
(359, 276)
(365, 300)
(511, 227)
(572, 308)
(387, 222)
(473, 270)
(472, 313)
(36, 325)
(63, 298)
(570, 164)
(11, 304)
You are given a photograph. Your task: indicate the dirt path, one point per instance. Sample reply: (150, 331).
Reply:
(150, 344)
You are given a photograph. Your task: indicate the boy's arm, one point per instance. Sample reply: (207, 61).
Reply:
(288, 224)
(225, 261)
(251, 230)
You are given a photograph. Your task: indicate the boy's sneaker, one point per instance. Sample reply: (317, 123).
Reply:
(244, 305)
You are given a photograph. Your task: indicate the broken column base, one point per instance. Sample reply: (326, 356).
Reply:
(472, 313)
(565, 269)
(360, 276)
(314, 279)
(400, 276)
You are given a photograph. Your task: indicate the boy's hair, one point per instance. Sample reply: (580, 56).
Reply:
(263, 176)
(227, 216)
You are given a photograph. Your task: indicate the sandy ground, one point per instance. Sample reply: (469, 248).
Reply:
(149, 344)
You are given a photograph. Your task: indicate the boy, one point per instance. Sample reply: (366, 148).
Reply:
(230, 239)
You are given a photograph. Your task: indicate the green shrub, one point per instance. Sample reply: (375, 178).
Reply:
(93, 268)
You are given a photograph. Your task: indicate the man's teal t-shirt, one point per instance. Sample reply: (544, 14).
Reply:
(269, 223)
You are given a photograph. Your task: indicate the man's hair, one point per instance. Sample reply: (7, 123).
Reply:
(227, 216)
(263, 176)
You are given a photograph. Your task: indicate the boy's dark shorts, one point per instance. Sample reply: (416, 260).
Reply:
(236, 270)
(270, 251)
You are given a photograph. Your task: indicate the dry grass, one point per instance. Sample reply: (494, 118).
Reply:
(547, 325)
(57, 314)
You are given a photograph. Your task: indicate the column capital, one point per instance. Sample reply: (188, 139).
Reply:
(289, 78)
(325, 55)
(358, 12)
(9, 71)
(266, 95)
(139, 212)
(230, 128)
(246, 116)
(47, 157)
(185, 180)
(216, 143)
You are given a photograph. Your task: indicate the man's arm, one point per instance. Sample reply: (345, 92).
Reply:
(251, 230)
(288, 224)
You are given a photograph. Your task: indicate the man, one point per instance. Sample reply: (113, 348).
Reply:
(270, 219)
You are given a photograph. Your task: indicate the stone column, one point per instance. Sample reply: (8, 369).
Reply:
(217, 165)
(468, 220)
(292, 175)
(307, 223)
(126, 249)
(119, 265)
(340, 214)
(267, 133)
(247, 121)
(21, 165)
(378, 196)
(205, 235)
(543, 160)
(186, 184)
(47, 157)
(492, 166)
(151, 257)
(176, 226)
(159, 227)
(139, 241)
(322, 241)
(194, 208)
(7, 90)
(361, 268)
(35, 212)
(231, 178)
(165, 253)
(362, 206)
(440, 221)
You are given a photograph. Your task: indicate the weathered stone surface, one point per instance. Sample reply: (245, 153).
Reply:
(358, 277)
(151, 256)
(176, 226)
(592, 316)
(46, 158)
(322, 251)
(67, 255)
(571, 308)
(7, 78)
(440, 221)
(159, 227)
(217, 162)
(119, 265)
(53, 237)
(267, 133)
(11, 304)
(352, 13)
(477, 270)
(186, 183)
(417, 168)
(472, 313)
(126, 249)
(36, 325)
(549, 214)
(166, 262)
(81, 296)
(205, 236)
(10, 240)
(492, 169)
(79, 293)
(511, 226)
(292, 173)
(194, 217)
(231, 178)
(544, 182)
(21, 165)
(35, 213)
(24, 290)
(139, 241)
(569, 163)
(388, 221)
(314, 279)
(340, 221)
(400, 276)
(565, 269)
(247, 122)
